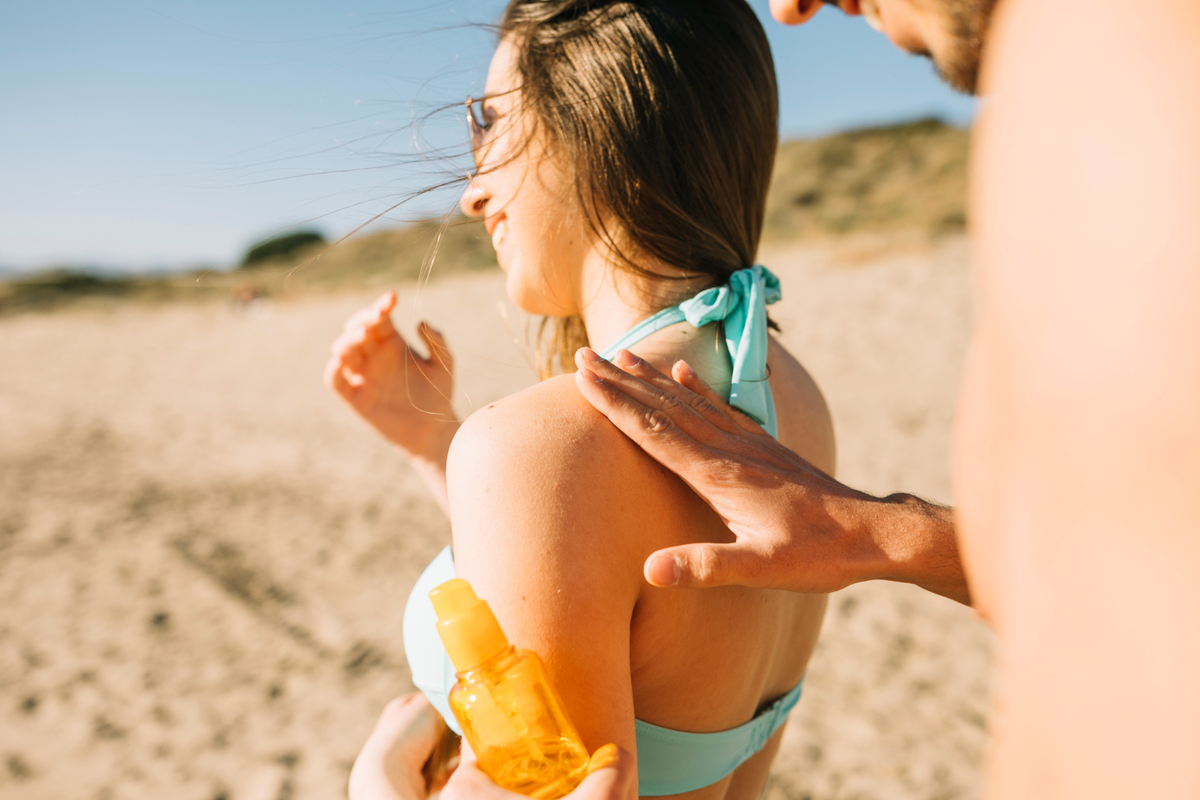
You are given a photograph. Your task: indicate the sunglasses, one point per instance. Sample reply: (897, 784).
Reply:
(477, 127)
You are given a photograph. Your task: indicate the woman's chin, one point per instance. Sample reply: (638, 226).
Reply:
(530, 299)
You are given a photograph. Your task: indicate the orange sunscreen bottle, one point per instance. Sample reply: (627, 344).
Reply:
(504, 702)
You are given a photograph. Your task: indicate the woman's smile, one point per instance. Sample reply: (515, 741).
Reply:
(499, 232)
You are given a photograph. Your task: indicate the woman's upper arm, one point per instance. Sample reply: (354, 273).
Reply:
(538, 533)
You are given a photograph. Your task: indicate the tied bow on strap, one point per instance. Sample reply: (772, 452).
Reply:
(742, 305)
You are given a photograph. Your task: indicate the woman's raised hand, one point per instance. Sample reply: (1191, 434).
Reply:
(403, 395)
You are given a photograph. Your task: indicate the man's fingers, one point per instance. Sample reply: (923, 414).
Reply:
(674, 433)
(705, 565)
(658, 407)
(683, 373)
(652, 429)
(707, 404)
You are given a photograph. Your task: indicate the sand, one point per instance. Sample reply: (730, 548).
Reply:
(204, 556)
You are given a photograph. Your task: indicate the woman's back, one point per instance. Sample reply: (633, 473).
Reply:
(554, 513)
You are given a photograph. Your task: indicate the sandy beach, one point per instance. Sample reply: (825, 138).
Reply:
(204, 556)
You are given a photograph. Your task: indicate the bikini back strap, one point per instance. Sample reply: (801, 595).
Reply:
(673, 762)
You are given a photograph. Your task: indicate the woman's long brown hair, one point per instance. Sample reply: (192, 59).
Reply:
(666, 112)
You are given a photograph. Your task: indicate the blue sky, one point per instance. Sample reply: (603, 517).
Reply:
(161, 133)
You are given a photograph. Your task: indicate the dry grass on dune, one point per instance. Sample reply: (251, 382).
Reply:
(903, 177)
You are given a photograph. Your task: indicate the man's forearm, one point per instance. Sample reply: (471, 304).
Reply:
(913, 542)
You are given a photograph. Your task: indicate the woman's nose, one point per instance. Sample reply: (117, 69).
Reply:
(474, 200)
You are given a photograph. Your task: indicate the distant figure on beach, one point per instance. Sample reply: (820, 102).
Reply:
(623, 154)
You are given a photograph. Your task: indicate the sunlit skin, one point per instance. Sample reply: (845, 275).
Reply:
(1077, 441)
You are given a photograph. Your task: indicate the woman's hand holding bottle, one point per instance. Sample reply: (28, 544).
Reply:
(405, 397)
(389, 766)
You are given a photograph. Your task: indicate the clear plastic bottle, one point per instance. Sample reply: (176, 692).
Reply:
(504, 702)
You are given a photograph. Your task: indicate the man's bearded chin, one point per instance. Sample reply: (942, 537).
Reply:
(968, 21)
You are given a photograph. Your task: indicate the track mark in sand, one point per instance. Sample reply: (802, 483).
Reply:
(226, 566)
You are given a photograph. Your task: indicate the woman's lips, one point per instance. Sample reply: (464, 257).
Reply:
(498, 234)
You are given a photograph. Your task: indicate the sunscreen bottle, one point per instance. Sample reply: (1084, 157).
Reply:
(509, 712)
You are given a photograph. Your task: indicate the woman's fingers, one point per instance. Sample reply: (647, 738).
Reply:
(435, 342)
(389, 765)
(611, 776)
(335, 379)
(387, 303)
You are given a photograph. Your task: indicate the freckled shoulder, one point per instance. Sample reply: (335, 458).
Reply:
(546, 458)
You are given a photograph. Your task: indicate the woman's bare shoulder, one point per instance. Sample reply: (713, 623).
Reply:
(544, 520)
(805, 424)
(546, 458)
(548, 428)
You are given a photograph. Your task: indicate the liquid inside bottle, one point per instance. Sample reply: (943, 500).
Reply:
(508, 710)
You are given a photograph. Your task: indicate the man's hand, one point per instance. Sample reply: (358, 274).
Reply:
(796, 527)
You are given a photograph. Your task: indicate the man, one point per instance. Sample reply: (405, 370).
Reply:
(1077, 452)
(1077, 448)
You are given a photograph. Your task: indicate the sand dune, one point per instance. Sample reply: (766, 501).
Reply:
(204, 557)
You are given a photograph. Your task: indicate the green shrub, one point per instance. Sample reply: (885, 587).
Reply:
(281, 247)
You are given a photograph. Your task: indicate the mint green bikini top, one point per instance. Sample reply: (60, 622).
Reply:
(669, 761)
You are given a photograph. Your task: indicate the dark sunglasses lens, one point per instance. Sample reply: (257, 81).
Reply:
(474, 126)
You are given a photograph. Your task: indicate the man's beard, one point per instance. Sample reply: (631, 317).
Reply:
(968, 24)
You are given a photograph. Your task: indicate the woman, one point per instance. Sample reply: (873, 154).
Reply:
(624, 151)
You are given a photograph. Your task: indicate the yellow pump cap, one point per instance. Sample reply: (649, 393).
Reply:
(468, 627)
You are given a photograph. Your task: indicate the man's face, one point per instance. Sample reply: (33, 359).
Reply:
(950, 32)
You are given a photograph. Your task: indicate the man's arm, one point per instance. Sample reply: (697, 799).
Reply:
(797, 528)
(1083, 520)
